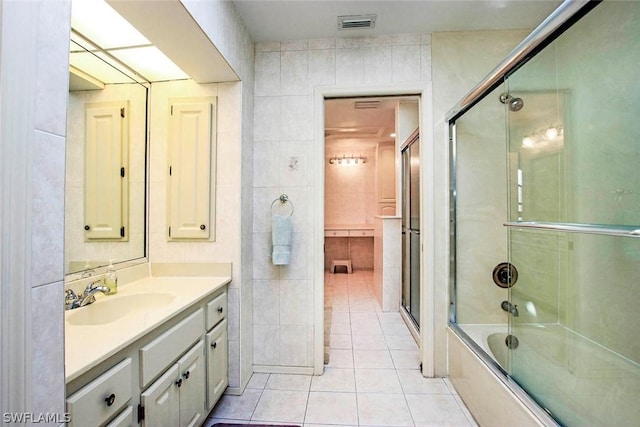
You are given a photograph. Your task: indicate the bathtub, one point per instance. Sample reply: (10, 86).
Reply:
(580, 381)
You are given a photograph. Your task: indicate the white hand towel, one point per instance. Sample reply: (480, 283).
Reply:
(281, 239)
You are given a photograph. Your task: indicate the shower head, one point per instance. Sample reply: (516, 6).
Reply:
(514, 104)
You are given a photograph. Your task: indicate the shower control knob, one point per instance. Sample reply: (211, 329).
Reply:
(505, 275)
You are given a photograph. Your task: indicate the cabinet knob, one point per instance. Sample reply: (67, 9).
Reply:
(86, 227)
(179, 382)
(186, 375)
(202, 227)
(220, 309)
(214, 344)
(110, 399)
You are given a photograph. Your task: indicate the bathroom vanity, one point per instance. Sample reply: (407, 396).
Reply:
(154, 354)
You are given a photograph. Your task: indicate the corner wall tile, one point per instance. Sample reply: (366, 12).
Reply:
(294, 72)
(267, 77)
(349, 66)
(47, 364)
(321, 44)
(377, 65)
(266, 118)
(293, 349)
(267, 47)
(52, 66)
(266, 344)
(266, 302)
(289, 45)
(47, 187)
(296, 118)
(406, 63)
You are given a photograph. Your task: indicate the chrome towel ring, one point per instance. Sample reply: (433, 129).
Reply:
(283, 199)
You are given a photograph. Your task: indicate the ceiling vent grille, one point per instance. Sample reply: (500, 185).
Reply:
(351, 22)
(367, 104)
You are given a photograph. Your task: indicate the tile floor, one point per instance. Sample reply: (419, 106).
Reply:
(372, 378)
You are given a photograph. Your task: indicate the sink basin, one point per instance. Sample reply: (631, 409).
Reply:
(111, 308)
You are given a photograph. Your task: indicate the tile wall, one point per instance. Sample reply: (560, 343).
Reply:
(34, 85)
(286, 74)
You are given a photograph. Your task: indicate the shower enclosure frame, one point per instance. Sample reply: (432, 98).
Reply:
(557, 23)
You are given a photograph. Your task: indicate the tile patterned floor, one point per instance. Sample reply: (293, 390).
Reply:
(372, 378)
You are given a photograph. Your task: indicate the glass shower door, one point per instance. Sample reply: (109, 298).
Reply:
(411, 229)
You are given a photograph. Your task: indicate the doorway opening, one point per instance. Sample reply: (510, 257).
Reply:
(364, 203)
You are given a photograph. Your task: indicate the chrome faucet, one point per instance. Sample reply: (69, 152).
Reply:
(72, 300)
(510, 308)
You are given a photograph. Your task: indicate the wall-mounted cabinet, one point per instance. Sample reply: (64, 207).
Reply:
(386, 179)
(106, 200)
(191, 169)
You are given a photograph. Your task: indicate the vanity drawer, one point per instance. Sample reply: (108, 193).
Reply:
(103, 397)
(217, 310)
(336, 233)
(156, 356)
(361, 233)
(125, 419)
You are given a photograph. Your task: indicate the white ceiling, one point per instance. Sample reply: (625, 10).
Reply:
(276, 20)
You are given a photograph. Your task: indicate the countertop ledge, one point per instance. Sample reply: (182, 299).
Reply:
(88, 345)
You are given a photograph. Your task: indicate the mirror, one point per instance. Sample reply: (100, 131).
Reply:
(105, 184)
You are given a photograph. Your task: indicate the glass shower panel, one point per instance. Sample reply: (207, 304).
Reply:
(577, 344)
(481, 208)
(411, 230)
(574, 203)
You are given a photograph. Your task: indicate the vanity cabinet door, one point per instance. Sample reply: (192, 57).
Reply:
(192, 373)
(217, 357)
(161, 401)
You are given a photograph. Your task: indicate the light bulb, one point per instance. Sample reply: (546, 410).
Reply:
(527, 141)
(551, 133)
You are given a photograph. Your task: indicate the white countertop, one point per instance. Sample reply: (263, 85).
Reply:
(88, 345)
(349, 226)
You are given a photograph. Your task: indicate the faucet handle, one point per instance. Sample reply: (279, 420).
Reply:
(70, 299)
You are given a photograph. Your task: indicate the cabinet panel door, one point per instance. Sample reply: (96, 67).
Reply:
(106, 156)
(192, 372)
(217, 359)
(190, 174)
(161, 401)
(386, 173)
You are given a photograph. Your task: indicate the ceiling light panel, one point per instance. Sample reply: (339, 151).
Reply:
(100, 31)
(150, 62)
(97, 21)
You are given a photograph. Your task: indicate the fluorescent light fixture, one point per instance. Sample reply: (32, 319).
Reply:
(112, 39)
(99, 22)
(151, 63)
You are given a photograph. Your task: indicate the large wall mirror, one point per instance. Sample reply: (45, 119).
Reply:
(105, 188)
